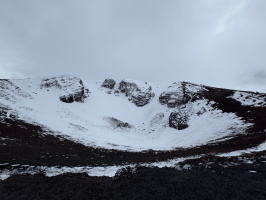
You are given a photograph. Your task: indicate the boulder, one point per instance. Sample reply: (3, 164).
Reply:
(174, 99)
(180, 93)
(139, 93)
(116, 92)
(178, 120)
(108, 83)
(71, 87)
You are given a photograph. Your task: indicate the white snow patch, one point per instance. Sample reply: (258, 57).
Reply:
(109, 171)
(86, 122)
(4, 175)
(252, 171)
(250, 98)
(261, 147)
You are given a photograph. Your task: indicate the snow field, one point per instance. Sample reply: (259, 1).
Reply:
(89, 122)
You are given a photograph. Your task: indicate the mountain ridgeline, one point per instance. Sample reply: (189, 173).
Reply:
(177, 97)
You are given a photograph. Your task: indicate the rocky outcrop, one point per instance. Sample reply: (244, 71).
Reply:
(173, 99)
(139, 93)
(108, 83)
(180, 93)
(178, 120)
(142, 98)
(72, 88)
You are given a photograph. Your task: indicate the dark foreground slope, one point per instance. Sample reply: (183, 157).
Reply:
(146, 183)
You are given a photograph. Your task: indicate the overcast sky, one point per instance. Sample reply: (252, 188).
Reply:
(215, 42)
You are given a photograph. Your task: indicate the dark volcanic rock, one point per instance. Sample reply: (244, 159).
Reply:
(116, 92)
(180, 93)
(201, 111)
(173, 99)
(72, 88)
(138, 93)
(108, 83)
(128, 87)
(178, 120)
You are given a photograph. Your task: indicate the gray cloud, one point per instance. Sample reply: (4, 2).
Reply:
(208, 42)
(254, 80)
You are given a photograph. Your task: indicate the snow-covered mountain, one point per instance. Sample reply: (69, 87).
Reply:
(135, 116)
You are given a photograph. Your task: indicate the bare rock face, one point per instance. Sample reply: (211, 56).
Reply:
(72, 88)
(178, 120)
(108, 83)
(139, 93)
(180, 93)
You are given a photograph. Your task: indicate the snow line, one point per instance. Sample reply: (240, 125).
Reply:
(261, 147)
(109, 171)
